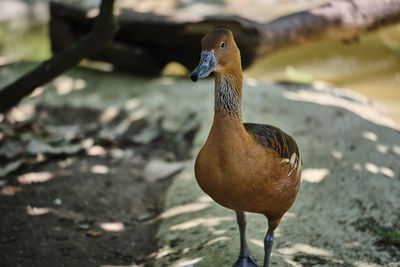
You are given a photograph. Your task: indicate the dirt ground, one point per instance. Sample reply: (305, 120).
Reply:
(90, 208)
(82, 193)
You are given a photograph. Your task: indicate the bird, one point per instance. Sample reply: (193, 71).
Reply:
(245, 167)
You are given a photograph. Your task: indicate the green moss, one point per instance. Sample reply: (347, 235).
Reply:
(392, 235)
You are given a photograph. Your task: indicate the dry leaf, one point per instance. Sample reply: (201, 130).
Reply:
(158, 169)
(10, 190)
(94, 233)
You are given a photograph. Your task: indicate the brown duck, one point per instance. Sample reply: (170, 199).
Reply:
(243, 166)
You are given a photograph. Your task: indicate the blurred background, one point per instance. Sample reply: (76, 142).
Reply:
(370, 66)
(84, 173)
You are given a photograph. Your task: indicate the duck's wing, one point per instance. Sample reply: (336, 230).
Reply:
(275, 139)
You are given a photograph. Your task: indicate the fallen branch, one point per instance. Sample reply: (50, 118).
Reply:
(157, 40)
(101, 35)
(341, 20)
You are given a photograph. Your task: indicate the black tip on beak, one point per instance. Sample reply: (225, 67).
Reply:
(194, 76)
(206, 66)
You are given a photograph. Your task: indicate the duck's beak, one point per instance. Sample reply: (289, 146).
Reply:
(206, 66)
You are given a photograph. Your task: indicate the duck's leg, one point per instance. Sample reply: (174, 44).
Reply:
(268, 242)
(245, 259)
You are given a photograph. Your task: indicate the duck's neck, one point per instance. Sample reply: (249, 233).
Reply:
(228, 94)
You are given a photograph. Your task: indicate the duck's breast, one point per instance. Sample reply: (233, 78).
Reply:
(243, 175)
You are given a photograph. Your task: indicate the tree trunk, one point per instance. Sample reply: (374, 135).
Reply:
(157, 40)
(342, 20)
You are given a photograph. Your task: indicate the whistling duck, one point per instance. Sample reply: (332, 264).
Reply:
(244, 167)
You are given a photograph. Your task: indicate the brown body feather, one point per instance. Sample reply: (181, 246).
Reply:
(241, 173)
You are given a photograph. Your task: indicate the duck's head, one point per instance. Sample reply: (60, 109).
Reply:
(219, 53)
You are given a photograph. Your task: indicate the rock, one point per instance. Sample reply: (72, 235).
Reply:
(57, 202)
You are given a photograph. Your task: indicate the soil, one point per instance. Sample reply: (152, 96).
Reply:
(346, 213)
(97, 209)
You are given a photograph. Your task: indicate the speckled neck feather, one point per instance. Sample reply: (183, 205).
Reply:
(228, 94)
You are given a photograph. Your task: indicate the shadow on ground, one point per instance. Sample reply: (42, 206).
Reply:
(346, 214)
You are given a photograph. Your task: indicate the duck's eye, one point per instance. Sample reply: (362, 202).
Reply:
(223, 44)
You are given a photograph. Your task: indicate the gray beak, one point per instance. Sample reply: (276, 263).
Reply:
(206, 66)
